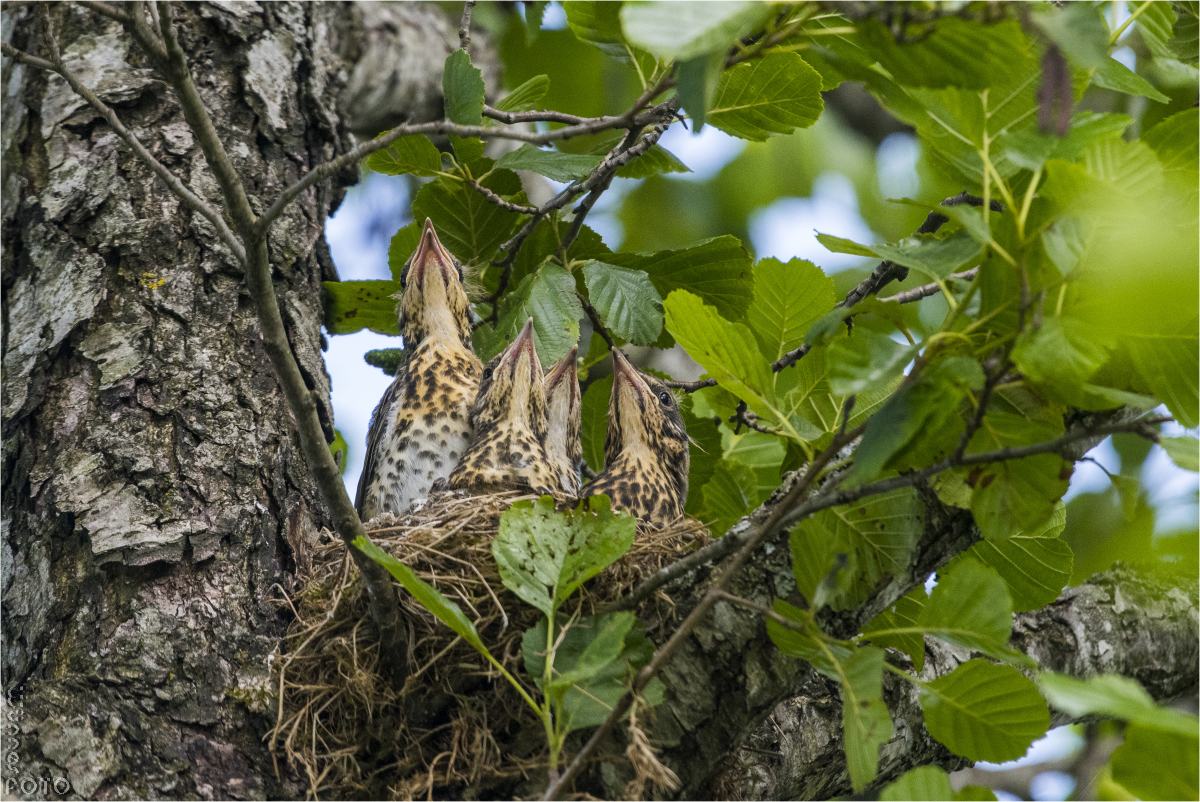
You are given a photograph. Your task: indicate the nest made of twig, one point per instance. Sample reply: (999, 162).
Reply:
(456, 729)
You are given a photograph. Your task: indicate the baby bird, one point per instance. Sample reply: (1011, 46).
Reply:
(564, 446)
(421, 425)
(646, 450)
(509, 419)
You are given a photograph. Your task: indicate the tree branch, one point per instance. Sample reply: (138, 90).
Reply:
(926, 290)
(384, 609)
(464, 30)
(324, 171)
(492, 197)
(1150, 636)
(597, 324)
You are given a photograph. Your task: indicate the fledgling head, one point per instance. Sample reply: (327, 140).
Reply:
(432, 301)
(564, 446)
(644, 421)
(512, 388)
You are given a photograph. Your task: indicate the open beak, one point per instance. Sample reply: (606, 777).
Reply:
(566, 369)
(523, 345)
(625, 374)
(430, 252)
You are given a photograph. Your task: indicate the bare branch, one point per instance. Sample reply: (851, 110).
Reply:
(324, 171)
(464, 30)
(926, 290)
(597, 324)
(492, 197)
(177, 187)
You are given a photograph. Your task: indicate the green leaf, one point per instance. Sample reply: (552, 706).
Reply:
(1152, 764)
(446, 611)
(704, 454)
(824, 657)
(543, 556)
(386, 359)
(718, 271)
(970, 607)
(865, 718)
(840, 554)
(920, 424)
(594, 415)
(339, 450)
(1174, 142)
(400, 250)
(548, 296)
(1059, 356)
(1114, 696)
(527, 96)
(901, 615)
(697, 80)
(415, 155)
(467, 224)
(685, 30)
(1016, 495)
(626, 300)
(788, 298)
(463, 89)
(730, 493)
(866, 359)
(1035, 567)
(984, 711)
(1114, 75)
(1183, 451)
(1029, 148)
(533, 20)
(919, 784)
(727, 351)
(970, 793)
(653, 162)
(599, 24)
(1079, 32)
(933, 257)
(1186, 44)
(351, 306)
(1167, 363)
(954, 52)
(1156, 23)
(840, 245)
(773, 95)
(594, 661)
(550, 163)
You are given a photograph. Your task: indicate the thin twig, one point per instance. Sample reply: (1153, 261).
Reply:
(464, 30)
(492, 197)
(616, 159)
(328, 169)
(597, 324)
(724, 546)
(581, 211)
(926, 290)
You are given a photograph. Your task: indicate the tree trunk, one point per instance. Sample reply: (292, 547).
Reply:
(155, 500)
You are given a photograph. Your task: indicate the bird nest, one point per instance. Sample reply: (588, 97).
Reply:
(456, 729)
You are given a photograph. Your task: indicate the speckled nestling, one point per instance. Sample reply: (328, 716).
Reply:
(422, 425)
(646, 449)
(509, 419)
(564, 445)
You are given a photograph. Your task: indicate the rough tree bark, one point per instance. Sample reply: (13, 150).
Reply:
(154, 497)
(155, 500)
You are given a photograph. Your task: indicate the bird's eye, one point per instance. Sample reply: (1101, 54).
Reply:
(487, 373)
(459, 269)
(665, 398)
(404, 276)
